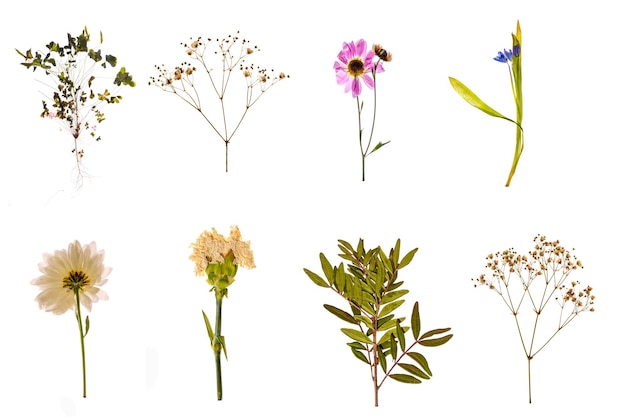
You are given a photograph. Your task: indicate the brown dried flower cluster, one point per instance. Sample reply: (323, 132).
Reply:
(211, 247)
(550, 264)
(233, 53)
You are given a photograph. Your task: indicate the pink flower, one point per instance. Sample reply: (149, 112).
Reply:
(356, 62)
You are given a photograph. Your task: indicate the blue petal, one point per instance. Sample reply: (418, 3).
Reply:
(500, 57)
(508, 54)
(516, 50)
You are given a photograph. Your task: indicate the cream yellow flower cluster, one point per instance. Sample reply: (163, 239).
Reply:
(211, 247)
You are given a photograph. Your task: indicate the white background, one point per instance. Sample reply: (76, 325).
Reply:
(294, 188)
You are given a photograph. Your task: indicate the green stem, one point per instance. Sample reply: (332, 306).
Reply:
(217, 345)
(82, 339)
(358, 108)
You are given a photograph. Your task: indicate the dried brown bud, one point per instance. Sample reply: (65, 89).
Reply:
(381, 53)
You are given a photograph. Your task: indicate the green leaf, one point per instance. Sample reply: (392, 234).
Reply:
(222, 342)
(357, 335)
(86, 326)
(381, 321)
(365, 320)
(378, 146)
(406, 259)
(356, 345)
(435, 342)
(391, 296)
(341, 314)
(415, 320)
(393, 346)
(316, 278)
(208, 326)
(360, 355)
(382, 360)
(340, 278)
(329, 272)
(395, 253)
(386, 261)
(407, 379)
(473, 99)
(413, 370)
(390, 307)
(434, 332)
(421, 360)
(400, 334)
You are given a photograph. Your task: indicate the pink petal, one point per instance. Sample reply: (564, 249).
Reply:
(361, 47)
(369, 81)
(356, 87)
(342, 77)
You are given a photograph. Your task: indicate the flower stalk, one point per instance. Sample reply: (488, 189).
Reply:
(233, 53)
(219, 259)
(71, 280)
(82, 338)
(355, 64)
(513, 59)
(551, 265)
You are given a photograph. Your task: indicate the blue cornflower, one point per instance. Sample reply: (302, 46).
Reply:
(505, 55)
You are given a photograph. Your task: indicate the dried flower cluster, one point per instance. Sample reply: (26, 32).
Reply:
(550, 264)
(233, 53)
(211, 247)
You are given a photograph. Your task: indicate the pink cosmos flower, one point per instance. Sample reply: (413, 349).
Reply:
(356, 62)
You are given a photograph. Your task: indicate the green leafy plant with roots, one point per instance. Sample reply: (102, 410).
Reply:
(75, 103)
(369, 284)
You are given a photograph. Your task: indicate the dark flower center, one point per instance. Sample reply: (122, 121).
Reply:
(356, 67)
(76, 280)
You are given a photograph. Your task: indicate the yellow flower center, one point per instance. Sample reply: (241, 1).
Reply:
(355, 67)
(75, 280)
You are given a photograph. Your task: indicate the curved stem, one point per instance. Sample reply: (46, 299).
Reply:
(82, 340)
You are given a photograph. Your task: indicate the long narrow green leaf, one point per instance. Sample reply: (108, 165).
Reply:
(406, 259)
(413, 370)
(407, 379)
(393, 346)
(378, 146)
(340, 278)
(360, 355)
(396, 253)
(400, 334)
(316, 278)
(391, 296)
(356, 345)
(208, 326)
(435, 342)
(357, 335)
(421, 360)
(473, 99)
(222, 342)
(341, 314)
(382, 360)
(327, 268)
(86, 326)
(434, 332)
(415, 320)
(390, 307)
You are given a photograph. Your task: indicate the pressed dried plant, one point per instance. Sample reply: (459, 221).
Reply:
(540, 282)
